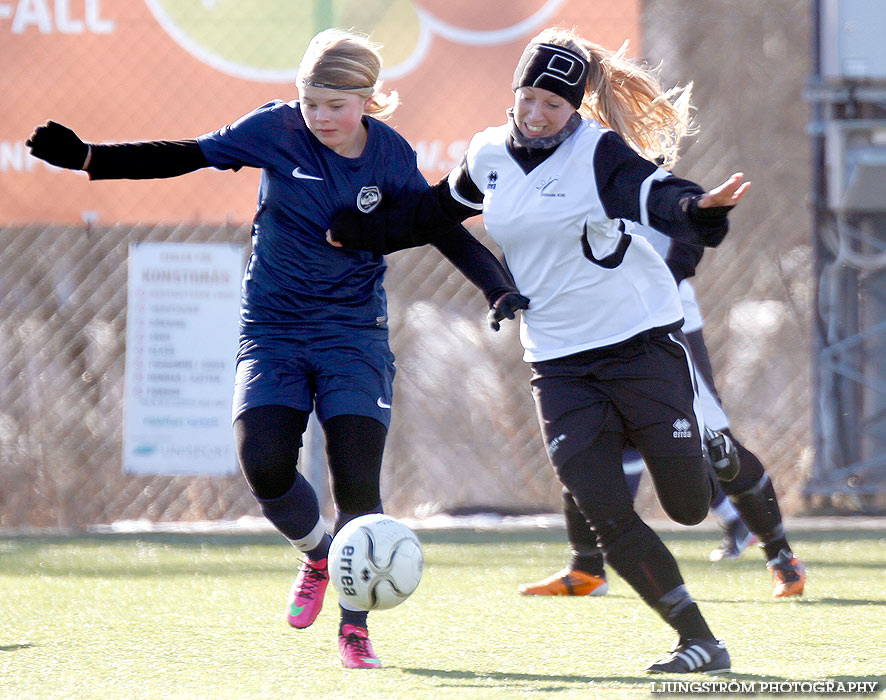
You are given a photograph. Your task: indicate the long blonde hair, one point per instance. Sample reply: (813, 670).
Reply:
(350, 61)
(628, 98)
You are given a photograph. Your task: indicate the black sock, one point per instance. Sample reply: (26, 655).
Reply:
(774, 547)
(590, 563)
(321, 551)
(691, 625)
(357, 618)
(682, 613)
(758, 507)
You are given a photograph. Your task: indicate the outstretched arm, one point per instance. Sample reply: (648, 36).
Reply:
(386, 232)
(632, 188)
(432, 216)
(726, 195)
(482, 268)
(416, 219)
(60, 146)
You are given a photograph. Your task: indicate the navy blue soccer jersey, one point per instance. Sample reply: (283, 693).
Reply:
(295, 279)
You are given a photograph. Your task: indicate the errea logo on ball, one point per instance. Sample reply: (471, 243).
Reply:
(375, 562)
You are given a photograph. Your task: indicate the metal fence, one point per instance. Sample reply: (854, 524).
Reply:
(847, 95)
(464, 433)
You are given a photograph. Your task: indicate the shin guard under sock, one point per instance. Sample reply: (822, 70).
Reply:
(640, 557)
(758, 507)
(681, 612)
(296, 514)
(653, 572)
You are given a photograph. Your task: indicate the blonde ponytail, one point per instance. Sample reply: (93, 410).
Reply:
(629, 99)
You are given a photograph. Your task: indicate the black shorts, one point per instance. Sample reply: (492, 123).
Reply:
(643, 388)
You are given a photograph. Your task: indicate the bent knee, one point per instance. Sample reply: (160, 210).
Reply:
(684, 486)
(688, 514)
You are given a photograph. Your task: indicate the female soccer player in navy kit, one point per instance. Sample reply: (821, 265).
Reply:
(314, 333)
(609, 365)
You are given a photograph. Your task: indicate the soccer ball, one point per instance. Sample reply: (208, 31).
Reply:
(375, 562)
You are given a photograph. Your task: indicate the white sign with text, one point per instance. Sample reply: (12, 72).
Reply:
(181, 343)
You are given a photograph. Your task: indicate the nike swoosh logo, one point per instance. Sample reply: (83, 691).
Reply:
(382, 404)
(294, 611)
(297, 173)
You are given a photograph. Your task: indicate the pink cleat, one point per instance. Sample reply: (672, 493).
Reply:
(306, 595)
(355, 649)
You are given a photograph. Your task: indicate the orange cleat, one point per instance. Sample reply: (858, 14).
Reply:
(567, 582)
(788, 573)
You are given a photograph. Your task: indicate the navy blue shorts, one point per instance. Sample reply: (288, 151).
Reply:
(341, 373)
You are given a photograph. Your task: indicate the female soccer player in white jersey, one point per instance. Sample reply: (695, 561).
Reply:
(758, 516)
(609, 366)
(314, 332)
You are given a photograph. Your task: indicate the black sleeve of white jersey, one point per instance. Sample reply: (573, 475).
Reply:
(429, 216)
(464, 185)
(683, 258)
(476, 262)
(472, 258)
(671, 204)
(438, 210)
(145, 160)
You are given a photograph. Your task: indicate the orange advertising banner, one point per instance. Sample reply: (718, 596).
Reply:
(136, 70)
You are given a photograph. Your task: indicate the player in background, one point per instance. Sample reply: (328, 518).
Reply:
(313, 321)
(585, 573)
(610, 366)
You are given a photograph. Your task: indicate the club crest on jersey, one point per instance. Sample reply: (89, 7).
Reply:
(491, 179)
(368, 198)
(545, 185)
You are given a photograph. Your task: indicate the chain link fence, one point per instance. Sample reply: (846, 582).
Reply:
(749, 63)
(464, 433)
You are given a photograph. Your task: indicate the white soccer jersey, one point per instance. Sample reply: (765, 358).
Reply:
(590, 284)
(692, 318)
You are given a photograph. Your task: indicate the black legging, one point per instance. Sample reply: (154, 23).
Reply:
(595, 478)
(268, 439)
(597, 482)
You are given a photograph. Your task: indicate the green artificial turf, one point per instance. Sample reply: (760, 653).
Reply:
(202, 616)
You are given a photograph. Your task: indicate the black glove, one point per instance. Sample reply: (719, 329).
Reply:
(58, 145)
(384, 230)
(353, 231)
(506, 306)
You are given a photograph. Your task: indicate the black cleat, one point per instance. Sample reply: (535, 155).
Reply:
(694, 656)
(722, 455)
